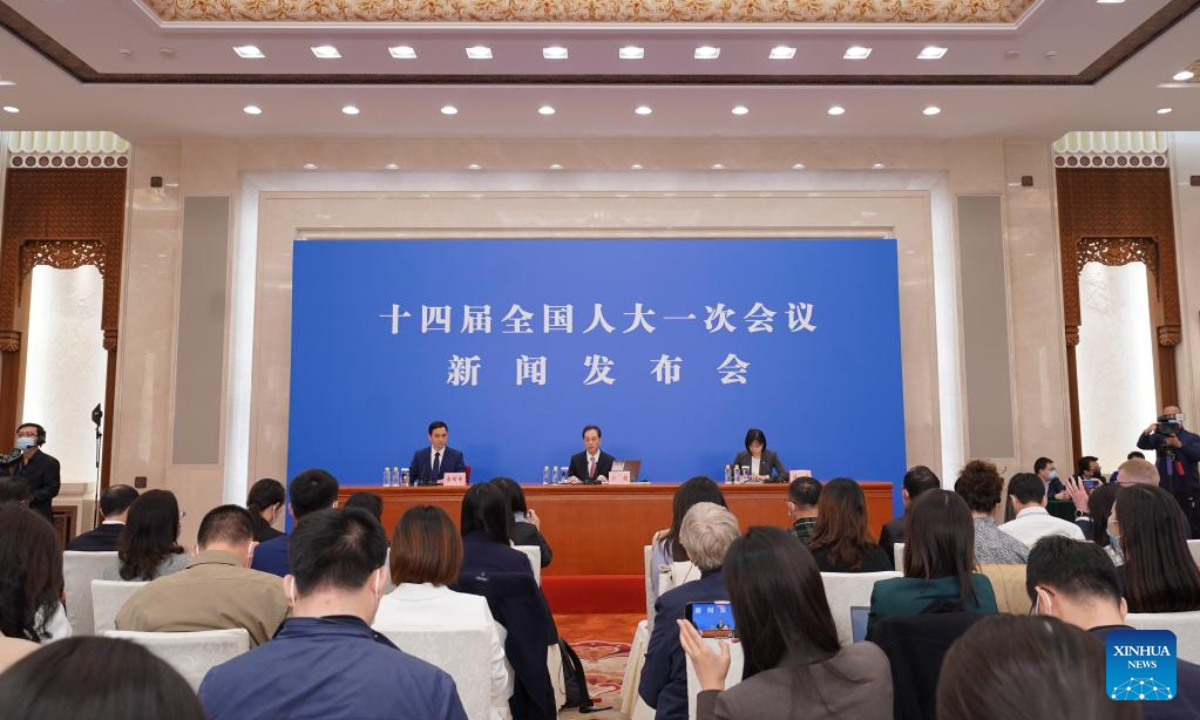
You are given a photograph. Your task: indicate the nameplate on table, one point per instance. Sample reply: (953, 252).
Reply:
(454, 479)
(799, 474)
(618, 477)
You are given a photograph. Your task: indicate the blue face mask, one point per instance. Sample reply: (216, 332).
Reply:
(1114, 540)
(24, 443)
(1053, 474)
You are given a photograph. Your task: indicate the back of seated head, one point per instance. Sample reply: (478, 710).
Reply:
(368, 501)
(150, 535)
(95, 677)
(225, 525)
(842, 525)
(426, 548)
(707, 532)
(1160, 575)
(696, 490)
(116, 499)
(336, 550)
(1100, 504)
(1137, 471)
(918, 479)
(940, 541)
(1012, 667)
(485, 509)
(312, 490)
(15, 490)
(1078, 570)
(979, 484)
(804, 492)
(1136, 454)
(31, 563)
(1027, 488)
(514, 493)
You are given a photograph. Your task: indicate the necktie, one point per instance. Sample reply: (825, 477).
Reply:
(437, 464)
(592, 469)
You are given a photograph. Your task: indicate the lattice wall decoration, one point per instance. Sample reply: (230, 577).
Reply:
(1112, 150)
(80, 150)
(61, 254)
(1117, 251)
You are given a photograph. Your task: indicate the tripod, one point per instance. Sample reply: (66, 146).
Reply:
(97, 417)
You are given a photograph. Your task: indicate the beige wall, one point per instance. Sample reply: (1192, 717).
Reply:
(1185, 162)
(838, 195)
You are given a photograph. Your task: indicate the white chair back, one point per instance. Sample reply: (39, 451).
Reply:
(647, 554)
(1185, 625)
(737, 660)
(847, 590)
(107, 598)
(388, 585)
(1194, 547)
(898, 550)
(535, 560)
(680, 573)
(79, 570)
(464, 654)
(193, 654)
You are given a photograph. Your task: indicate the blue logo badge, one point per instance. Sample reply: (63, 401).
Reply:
(1141, 665)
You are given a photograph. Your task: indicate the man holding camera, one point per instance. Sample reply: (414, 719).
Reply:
(1177, 452)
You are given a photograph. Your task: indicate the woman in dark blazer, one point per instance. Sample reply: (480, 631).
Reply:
(763, 463)
(526, 527)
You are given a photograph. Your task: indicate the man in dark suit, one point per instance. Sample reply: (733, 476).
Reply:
(593, 464)
(39, 470)
(916, 481)
(114, 505)
(1048, 474)
(430, 464)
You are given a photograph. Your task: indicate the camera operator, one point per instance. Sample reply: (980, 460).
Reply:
(1177, 452)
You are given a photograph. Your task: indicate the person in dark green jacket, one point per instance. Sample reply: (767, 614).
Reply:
(939, 559)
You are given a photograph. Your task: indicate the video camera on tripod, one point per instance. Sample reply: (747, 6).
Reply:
(1170, 426)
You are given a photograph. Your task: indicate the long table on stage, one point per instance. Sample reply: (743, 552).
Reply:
(601, 529)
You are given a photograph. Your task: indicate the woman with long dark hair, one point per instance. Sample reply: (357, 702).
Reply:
(841, 540)
(526, 528)
(794, 666)
(148, 546)
(265, 503)
(1151, 530)
(939, 563)
(31, 577)
(665, 546)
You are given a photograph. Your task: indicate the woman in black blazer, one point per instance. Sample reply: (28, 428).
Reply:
(763, 463)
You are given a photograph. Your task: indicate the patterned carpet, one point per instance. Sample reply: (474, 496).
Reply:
(602, 643)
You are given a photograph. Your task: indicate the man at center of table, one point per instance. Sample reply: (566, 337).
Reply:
(429, 465)
(593, 464)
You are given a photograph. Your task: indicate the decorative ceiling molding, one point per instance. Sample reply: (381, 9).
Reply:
(66, 149)
(902, 12)
(1117, 150)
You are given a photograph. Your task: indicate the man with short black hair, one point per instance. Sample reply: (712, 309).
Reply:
(916, 481)
(1044, 468)
(326, 662)
(803, 495)
(1077, 583)
(593, 464)
(430, 464)
(1033, 523)
(368, 501)
(217, 590)
(310, 491)
(114, 505)
(41, 471)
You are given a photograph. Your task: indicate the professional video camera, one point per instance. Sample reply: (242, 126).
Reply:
(1169, 425)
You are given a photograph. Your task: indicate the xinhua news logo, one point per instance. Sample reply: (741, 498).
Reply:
(1141, 665)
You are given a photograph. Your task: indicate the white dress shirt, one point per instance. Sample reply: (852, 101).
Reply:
(422, 606)
(1033, 524)
(755, 462)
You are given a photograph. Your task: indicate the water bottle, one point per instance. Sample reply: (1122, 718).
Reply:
(395, 476)
(554, 476)
(387, 477)
(546, 475)
(745, 473)
(405, 478)
(728, 474)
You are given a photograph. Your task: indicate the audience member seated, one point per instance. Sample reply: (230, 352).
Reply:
(707, 532)
(326, 661)
(1092, 511)
(217, 591)
(803, 495)
(1011, 666)
(1033, 523)
(939, 562)
(916, 481)
(148, 546)
(841, 540)
(526, 527)
(427, 554)
(311, 490)
(1044, 468)
(980, 485)
(32, 580)
(1135, 455)
(1078, 584)
(369, 502)
(789, 641)
(114, 506)
(1088, 468)
(92, 677)
(1159, 573)
(1136, 471)
(15, 490)
(665, 546)
(265, 503)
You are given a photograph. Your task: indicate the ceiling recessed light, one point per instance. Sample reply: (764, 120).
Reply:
(392, 166)
(718, 166)
(782, 52)
(326, 52)
(635, 166)
(556, 166)
(1183, 76)
(473, 166)
(1161, 111)
(11, 109)
(932, 52)
(643, 110)
(740, 110)
(554, 52)
(932, 110)
(546, 110)
(707, 52)
(7, 83)
(479, 52)
(877, 166)
(249, 52)
(631, 52)
(403, 52)
(349, 110)
(252, 110)
(1109, 2)
(836, 110)
(309, 166)
(798, 166)
(449, 110)
(857, 52)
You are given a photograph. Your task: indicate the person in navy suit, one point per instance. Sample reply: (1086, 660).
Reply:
(430, 464)
(114, 506)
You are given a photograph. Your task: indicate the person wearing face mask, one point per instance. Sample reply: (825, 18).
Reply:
(1088, 472)
(1048, 474)
(39, 470)
(326, 661)
(217, 590)
(1178, 452)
